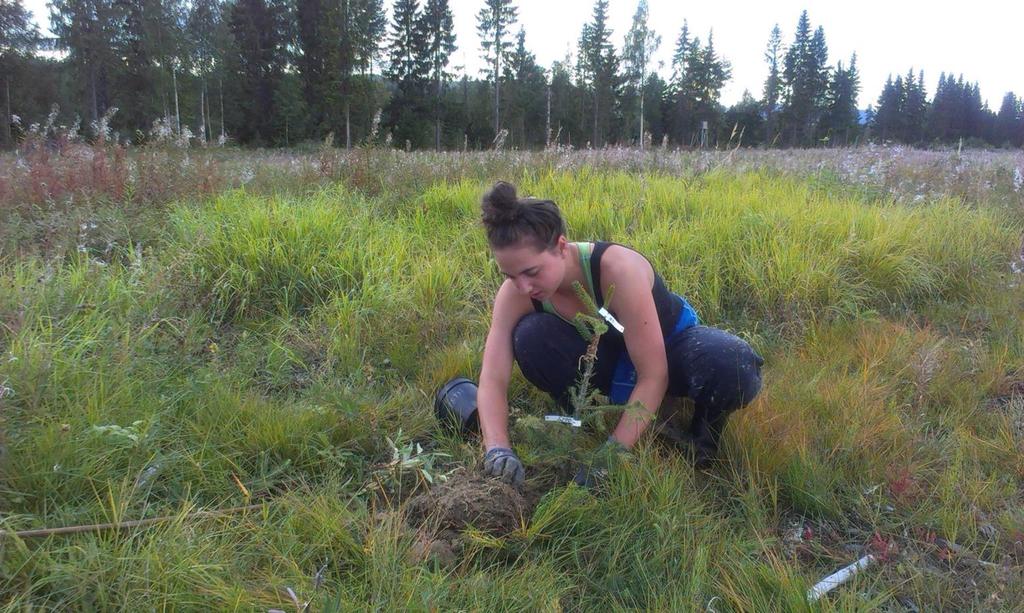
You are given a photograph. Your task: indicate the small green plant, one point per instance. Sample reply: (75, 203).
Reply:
(129, 436)
(409, 458)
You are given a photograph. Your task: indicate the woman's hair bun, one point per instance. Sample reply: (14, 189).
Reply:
(500, 205)
(510, 220)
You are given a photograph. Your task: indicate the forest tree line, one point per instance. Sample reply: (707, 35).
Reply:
(283, 72)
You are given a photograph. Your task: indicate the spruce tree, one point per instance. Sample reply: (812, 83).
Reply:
(743, 122)
(599, 69)
(797, 90)
(260, 33)
(18, 35)
(842, 118)
(408, 68)
(888, 114)
(525, 99)
(1008, 120)
(974, 112)
(657, 107)
(915, 108)
(681, 108)
(819, 74)
(365, 28)
(407, 65)
(439, 44)
(805, 82)
(494, 22)
(682, 48)
(566, 120)
(315, 20)
(772, 85)
(89, 31)
(941, 111)
(369, 24)
(701, 88)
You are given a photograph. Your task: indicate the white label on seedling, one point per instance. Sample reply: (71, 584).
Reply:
(564, 419)
(611, 319)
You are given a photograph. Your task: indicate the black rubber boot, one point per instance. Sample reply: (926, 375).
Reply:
(668, 431)
(705, 436)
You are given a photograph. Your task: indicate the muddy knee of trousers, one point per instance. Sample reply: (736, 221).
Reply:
(733, 377)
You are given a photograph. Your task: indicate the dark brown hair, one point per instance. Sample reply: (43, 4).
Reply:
(510, 220)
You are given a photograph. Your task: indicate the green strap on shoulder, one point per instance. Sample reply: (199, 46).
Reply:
(585, 251)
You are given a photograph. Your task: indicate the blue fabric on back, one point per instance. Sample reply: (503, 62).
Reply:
(624, 379)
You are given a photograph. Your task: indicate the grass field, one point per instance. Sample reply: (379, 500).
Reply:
(187, 331)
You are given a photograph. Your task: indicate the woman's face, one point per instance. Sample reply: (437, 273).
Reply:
(536, 273)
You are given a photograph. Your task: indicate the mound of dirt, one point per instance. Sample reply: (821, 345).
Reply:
(469, 499)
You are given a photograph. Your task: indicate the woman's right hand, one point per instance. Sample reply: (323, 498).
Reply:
(496, 371)
(504, 464)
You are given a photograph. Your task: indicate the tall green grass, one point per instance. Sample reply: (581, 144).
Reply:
(279, 339)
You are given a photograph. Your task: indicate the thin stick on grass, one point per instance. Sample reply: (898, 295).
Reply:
(127, 525)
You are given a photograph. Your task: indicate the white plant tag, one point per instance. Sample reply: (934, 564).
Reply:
(611, 319)
(564, 419)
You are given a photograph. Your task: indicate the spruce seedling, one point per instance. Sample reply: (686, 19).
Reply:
(591, 327)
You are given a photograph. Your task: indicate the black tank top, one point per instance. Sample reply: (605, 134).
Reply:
(668, 305)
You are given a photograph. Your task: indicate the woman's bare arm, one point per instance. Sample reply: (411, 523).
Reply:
(492, 396)
(632, 277)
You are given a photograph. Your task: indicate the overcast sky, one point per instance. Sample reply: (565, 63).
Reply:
(981, 38)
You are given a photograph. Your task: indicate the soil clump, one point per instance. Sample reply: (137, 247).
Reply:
(468, 499)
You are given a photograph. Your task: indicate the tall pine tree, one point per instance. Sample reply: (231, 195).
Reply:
(678, 111)
(408, 69)
(18, 35)
(525, 102)
(1009, 124)
(439, 44)
(259, 29)
(887, 117)
(772, 94)
(90, 32)
(805, 82)
(915, 108)
(598, 68)
(494, 23)
(841, 122)
(701, 88)
(566, 121)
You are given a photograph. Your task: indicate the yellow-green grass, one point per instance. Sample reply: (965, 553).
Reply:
(282, 340)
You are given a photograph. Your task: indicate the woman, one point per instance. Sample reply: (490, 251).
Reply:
(662, 348)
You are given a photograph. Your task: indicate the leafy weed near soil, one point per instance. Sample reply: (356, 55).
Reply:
(280, 340)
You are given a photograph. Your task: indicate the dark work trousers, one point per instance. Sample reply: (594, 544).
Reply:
(718, 371)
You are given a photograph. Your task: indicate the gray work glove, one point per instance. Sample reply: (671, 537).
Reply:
(503, 463)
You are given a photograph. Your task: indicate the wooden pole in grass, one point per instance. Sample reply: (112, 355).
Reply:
(127, 525)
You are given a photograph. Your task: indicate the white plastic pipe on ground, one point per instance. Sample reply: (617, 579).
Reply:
(838, 578)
